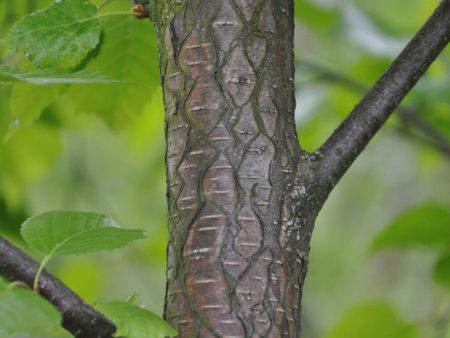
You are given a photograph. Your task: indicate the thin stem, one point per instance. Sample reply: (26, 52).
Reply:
(408, 116)
(17, 284)
(42, 265)
(349, 140)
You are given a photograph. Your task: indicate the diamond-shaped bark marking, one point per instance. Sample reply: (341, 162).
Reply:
(267, 22)
(251, 172)
(226, 25)
(252, 287)
(239, 76)
(205, 103)
(173, 77)
(178, 311)
(176, 139)
(246, 128)
(280, 314)
(278, 277)
(227, 325)
(205, 281)
(249, 239)
(219, 185)
(247, 7)
(194, 162)
(221, 137)
(261, 320)
(268, 111)
(234, 264)
(257, 50)
(197, 55)
(274, 332)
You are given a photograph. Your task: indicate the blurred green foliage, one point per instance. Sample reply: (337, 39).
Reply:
(101, 148)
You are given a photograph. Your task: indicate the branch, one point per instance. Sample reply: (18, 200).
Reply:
(352, 136)
(408, 116)
(79, 318)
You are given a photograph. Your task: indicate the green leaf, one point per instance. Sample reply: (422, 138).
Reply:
(75, 232)
(54, 76)
(27, 101)
(128, 52)
(133, 321)
(442, 270)
(372, 320)
(24, 314)
(425, 225)
(58, 36)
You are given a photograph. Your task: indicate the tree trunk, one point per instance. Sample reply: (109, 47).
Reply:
(240, 203)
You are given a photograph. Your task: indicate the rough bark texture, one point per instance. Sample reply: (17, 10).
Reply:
(239, 220)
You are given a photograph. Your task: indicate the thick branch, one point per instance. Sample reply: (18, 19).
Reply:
(352, 136)
(78, 317)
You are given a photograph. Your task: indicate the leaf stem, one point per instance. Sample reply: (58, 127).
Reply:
(104, 15)
(42, 265)
(17, 284)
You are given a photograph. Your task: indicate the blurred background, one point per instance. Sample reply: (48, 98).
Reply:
(380, 257)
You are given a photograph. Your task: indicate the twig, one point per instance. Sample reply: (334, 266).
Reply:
(352, 136)
(79, 318)
(408, 115)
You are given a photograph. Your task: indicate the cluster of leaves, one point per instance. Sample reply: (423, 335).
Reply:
(75, 57)
(72, 233)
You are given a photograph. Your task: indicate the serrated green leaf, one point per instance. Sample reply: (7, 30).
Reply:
(442, 270)
(425, 225)
(75, 232)
(128, 52)
(58, 36)
(24, 314)
(54, 76)
(133, 321)
(372, 320)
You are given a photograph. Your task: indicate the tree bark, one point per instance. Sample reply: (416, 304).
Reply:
(240, 220)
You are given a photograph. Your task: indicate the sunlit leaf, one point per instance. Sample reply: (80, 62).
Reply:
(27, 101)
(372, 320)
(24, 314)
(128, 52)
(442, 270)
(75, 232)
(425, 225)
(58, 36)
(53, 76)
(133, 321)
